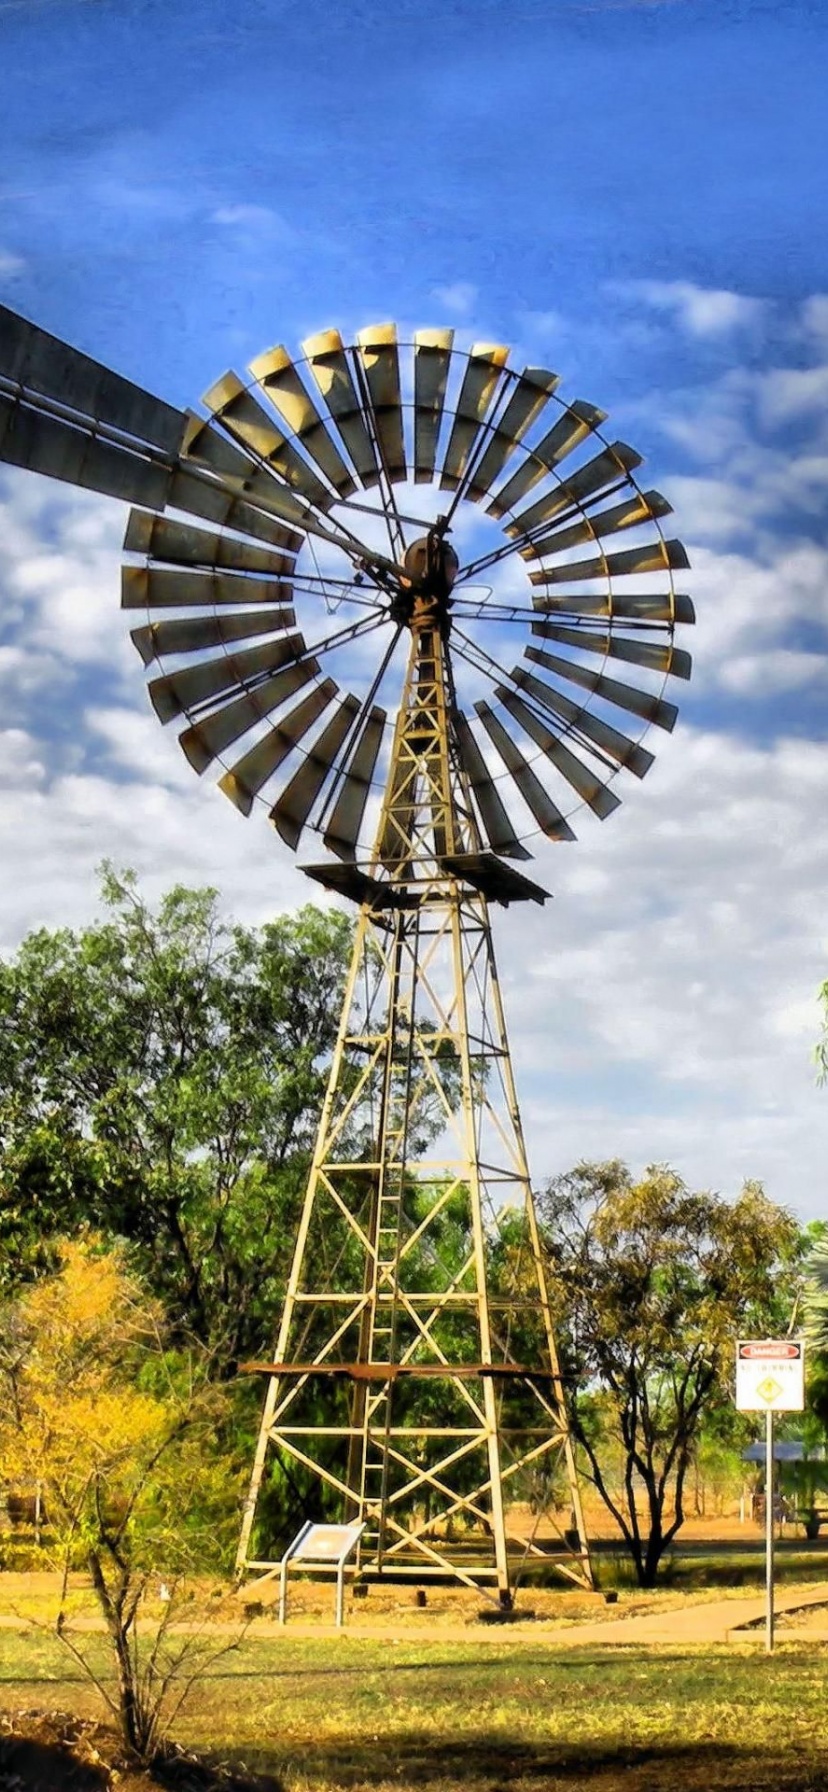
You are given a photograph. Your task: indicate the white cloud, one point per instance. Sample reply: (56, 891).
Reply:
(712, 510)
(814, 317)
(792, 392)
(254, 221)
(798, 1020)
(11, 266)
(57, 826)
(59, 579)
(667, 1007)
(12, 662)
(21, 763)
(460, 298)
(123, 193)
(746, 610)
(136, 745)
(766, 674)
(700, 310)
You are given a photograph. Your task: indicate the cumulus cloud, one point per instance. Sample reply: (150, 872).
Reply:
(59, 596)
(136, 746)
(747, 610)
(675, 976)
(11, 266)
(254, 221)
(767, 674)
(57, 824)
(702, 311)
(791, 392)
(459, 299)
(814, 317)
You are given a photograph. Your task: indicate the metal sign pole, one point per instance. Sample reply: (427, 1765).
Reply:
(769, 1530)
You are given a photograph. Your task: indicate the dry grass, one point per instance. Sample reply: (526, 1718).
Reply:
(426, 1715)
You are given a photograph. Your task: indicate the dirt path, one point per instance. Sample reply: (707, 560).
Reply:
(708, 1622)
(716, 1621)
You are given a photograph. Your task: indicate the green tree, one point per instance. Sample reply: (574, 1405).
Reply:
(653, 1284)
(815, 1288)
(821, 1049)
(814, 1321)
(161, 1075)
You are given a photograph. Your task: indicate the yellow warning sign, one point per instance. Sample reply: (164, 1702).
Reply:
(769, 1390)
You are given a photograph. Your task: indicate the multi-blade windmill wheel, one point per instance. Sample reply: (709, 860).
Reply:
(401, 620)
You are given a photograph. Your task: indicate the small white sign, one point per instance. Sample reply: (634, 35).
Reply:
(770, 1375)
(325, 1542)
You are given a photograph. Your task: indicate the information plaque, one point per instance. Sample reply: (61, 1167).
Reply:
(320, 1549)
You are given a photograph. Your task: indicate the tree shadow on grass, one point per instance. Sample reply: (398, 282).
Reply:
(26, 1763)
(180, 1772)
(492, 1763)
(29, 1766)
(53, 1753)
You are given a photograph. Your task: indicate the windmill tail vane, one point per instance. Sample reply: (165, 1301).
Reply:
(439, 530)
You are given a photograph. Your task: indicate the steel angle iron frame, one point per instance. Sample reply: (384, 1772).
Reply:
(277, 539)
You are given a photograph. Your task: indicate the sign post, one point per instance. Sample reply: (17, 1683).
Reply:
(770, 1377)
(769, 1493)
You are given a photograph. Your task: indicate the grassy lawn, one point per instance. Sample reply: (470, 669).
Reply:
(355, 1713)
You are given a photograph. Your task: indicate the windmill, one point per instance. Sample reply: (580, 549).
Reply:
(380, 587)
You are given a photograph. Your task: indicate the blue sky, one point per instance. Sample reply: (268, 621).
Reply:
(536, 149)
(632, 193)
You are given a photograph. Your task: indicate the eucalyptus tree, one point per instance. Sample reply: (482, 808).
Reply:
(161, 1073)
(653, 1284)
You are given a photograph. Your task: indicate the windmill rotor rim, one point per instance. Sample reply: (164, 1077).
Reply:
(586, 615)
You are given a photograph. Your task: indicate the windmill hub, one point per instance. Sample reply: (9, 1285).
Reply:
(431, 567)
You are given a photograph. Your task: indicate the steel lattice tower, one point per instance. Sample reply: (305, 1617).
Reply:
(405, 1279)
